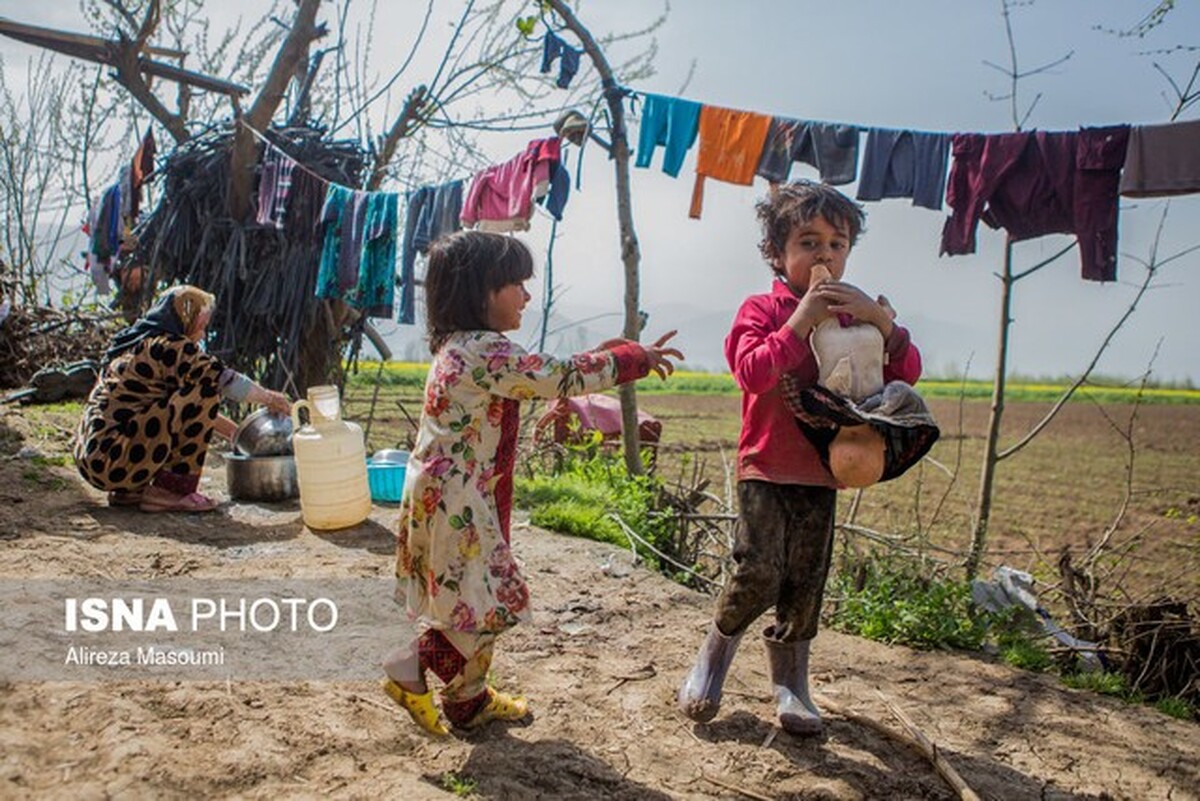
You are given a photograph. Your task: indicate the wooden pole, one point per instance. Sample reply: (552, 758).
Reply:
(630, 251)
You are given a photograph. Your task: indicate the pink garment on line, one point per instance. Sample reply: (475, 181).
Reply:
(504, 193)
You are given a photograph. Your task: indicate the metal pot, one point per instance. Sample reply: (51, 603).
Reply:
(261, 478)
(264, 434)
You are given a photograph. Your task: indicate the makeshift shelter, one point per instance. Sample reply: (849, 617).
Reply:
(268, 322)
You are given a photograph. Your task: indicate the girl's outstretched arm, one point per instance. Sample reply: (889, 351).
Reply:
(501, 367)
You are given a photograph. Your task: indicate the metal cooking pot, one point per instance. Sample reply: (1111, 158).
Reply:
(261, 478)
(264, 434)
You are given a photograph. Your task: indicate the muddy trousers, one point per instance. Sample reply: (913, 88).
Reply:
(783, 542)
(461, 660)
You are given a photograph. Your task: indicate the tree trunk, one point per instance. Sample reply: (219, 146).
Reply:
(293, 51)
(991, 456)
(406, 123)
(630, 251)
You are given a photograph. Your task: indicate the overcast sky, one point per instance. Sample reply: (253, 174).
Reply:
(917, 64)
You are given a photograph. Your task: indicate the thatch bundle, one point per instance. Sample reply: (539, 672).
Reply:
(268, 323)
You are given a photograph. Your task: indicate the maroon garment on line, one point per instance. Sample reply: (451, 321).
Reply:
(1037, 183)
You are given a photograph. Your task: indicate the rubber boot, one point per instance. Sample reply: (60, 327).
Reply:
(700, 694)
(403, 666)
(789, 682)
(499, 706)
(419, 706)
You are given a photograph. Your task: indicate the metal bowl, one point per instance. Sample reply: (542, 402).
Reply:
(389, 456)
(264, 434)
(261, 478)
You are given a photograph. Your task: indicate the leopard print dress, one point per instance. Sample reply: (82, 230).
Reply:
(150, 417)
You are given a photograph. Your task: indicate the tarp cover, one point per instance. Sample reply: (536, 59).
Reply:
(593, 413)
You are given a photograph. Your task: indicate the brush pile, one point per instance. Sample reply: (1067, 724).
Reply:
(267, 322)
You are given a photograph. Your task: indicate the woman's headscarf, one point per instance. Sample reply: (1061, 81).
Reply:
(174, 313)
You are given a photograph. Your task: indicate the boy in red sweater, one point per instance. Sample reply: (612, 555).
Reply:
(786, 493)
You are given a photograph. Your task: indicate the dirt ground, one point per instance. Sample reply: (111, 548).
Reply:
(600, 664)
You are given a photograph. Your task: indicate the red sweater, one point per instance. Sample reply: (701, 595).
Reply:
(759, 349)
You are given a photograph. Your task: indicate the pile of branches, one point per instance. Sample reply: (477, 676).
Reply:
(35, 338)
(267, 322)
(1154, 644)
(1160, 641)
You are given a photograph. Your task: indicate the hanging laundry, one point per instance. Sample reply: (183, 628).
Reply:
(376, 286)
(501, 196)
(274, 186)
(358, 257)
(1037, 183)
(104, 228)
(110, 222)
(831, 148)
(1162, 160)
(343, 216)
(354, 219)
(439, 209)
(106, 233)
(140, 170)
(555, 48)
(328, 284)
(433, 212)
(98, 256)
(555, 199)
(669, 121)
(905, 164)
(731, 143)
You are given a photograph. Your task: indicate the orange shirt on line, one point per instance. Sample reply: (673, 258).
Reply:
(731, 143)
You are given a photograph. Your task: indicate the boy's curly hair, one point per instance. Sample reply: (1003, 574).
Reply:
(798, 202)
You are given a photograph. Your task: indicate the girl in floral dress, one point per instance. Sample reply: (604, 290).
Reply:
(454, 564)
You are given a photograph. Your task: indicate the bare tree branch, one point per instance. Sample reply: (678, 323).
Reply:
(1126, 435)
(1151, 271)
(1045, 262)
(294, 50)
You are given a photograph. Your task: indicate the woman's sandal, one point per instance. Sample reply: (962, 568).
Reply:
(419, 707)
(125, 498)
(192, 502)
(500, 706)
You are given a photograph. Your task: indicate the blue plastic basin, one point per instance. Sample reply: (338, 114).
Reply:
(386, 481)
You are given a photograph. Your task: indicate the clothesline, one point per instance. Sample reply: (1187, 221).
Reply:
(362, 228)
(1031, 183)
(262, 138)
(642, 94)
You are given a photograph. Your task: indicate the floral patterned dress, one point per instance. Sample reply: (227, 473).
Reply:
(453, 560)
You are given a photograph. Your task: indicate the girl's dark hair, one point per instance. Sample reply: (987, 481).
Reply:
(797, 203)
(464, 269)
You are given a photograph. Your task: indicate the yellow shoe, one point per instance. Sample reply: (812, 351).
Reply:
(419, 706)
(500, 706)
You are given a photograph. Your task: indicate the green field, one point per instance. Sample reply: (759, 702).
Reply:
(1062, 491)
(412, 374)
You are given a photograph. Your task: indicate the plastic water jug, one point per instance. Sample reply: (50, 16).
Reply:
(331, 463)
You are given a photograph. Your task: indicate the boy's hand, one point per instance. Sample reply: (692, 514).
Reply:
(887, 306)
(812, 309)
(658, 354)
(843, 298)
